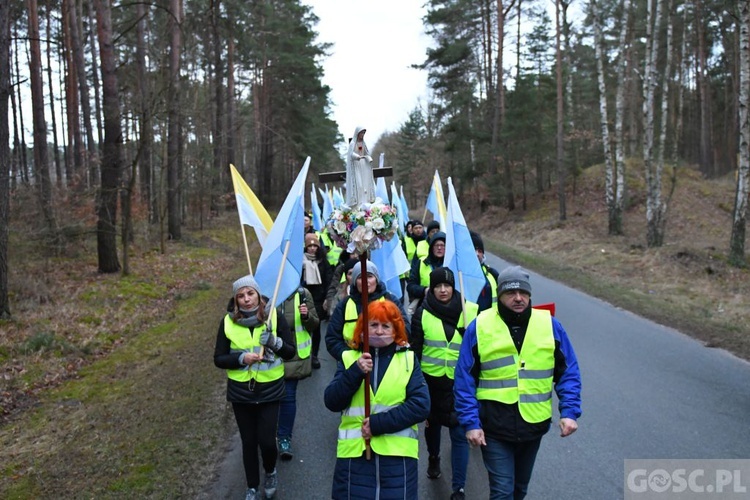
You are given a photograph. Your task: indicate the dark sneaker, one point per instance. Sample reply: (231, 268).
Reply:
(433, 468)
(315, 362)
(270, 484)
(458, 494)
(285, 449)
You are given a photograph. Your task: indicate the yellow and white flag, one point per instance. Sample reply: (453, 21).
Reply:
(252, 212)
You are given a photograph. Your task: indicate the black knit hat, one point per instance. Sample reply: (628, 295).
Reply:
(513, 278)
(476, 240)
(433, 224)
(437, 236)
(442, 275)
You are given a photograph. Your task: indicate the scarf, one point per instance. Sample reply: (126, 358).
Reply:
(249, 318)
(312, 272)
(448, 313)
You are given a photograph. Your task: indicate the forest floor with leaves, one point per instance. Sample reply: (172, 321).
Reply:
(108, 388)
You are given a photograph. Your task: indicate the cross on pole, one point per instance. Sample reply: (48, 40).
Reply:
(341, 176)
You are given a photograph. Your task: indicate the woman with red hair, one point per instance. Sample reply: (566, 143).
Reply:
(399, 400)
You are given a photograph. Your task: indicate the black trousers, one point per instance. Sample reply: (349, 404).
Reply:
(257, 424)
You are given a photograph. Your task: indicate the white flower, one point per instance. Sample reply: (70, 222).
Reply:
(339, 226)
(378, 224)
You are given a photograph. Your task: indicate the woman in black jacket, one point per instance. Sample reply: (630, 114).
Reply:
(316, 277)
(250, 345)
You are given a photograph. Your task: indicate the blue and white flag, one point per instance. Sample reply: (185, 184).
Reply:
(436, 201)
(460, 255)
(279, 267)
(317, 221)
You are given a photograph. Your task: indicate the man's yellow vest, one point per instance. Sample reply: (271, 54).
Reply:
(424, 273)
(439, 357)
(391, 393)
(243, 339)
(334, 251)
(411, 248)
(302, 336)
(493, 283)
(423, 249)
(350, 319)
(511, 377)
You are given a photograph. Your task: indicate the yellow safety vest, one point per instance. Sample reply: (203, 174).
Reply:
(302, 336)
(243, 339)
(439, 357)
(424, 273)
(511, 377)
(334, 251)
(411, 248)
(391, 393)
(423, 249)
(493, 284)
(350, 319)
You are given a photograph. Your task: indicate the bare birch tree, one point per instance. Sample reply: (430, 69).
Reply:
(737, 241)
(609, 174)
(618, 194)
(560, 117)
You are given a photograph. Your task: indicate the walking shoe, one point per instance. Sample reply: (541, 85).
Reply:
(271, 483)
(433, 468)
(458, 494)
(315, 362)
(285, 449)
(252, 494)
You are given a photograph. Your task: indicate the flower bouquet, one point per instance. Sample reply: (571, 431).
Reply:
(362, 228)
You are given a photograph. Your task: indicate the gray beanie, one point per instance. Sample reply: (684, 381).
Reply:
(513, 278)
(245, 281)
(371, 269)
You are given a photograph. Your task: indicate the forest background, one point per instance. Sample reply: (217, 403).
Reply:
(610, 153)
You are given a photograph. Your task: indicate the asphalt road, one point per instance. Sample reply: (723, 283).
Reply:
(649, 392)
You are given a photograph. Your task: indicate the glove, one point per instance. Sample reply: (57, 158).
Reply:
(270, 340)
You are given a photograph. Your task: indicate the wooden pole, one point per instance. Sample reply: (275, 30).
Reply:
(247, 250)
(276, 288)
(365, 339)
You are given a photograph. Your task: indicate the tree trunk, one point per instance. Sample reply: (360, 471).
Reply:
(230, 132)
(41, 164)
(682, 68)
(706, 154)
(609, 176)
(616, 210)
(174, 221)
(146, 132)
(79, 66)
(560, 117)
(58, 167)
(72, 105)
(217, 133)
(5, 161)
(106, 230)
(95, 69)
(737, 241)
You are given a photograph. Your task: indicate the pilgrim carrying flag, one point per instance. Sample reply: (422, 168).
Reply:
(436, 200)
(460, 255)
(280, 264)
(252, 212)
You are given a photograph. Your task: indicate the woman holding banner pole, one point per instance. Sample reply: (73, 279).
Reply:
(399, 401)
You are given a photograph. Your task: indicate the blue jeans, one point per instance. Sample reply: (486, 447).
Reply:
(509, 467)
(459, 451)
(288, 409)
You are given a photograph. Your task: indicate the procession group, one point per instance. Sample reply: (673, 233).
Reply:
(485, 367)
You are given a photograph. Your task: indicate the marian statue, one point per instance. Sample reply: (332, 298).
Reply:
(360, 184)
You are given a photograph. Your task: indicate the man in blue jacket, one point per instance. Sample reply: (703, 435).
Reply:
(511, 358)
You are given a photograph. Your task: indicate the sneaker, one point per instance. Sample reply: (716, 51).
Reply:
(252, 494)
(315, 362)
(285, 449)
(433, 468)
(458, 494)
(271, 483)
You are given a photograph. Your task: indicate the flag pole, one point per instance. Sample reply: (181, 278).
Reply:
(247, 250)
(276, 288)
(463, 295)
(365, 338)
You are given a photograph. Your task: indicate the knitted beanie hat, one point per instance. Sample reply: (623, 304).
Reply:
(442, 275)
(245, 281)
(513, 278)
(371, 269)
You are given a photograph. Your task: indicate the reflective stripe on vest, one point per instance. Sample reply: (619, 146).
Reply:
(391, 393)
(243, 339)
(511, 377)
(302, 336)
(439, 357)
(350, 319)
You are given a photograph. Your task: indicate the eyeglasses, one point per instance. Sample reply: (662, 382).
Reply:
(439, 245)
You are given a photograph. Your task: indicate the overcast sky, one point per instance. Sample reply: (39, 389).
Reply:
(374, 44)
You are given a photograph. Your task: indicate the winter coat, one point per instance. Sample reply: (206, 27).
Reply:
(296, 368)
(381, 477)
